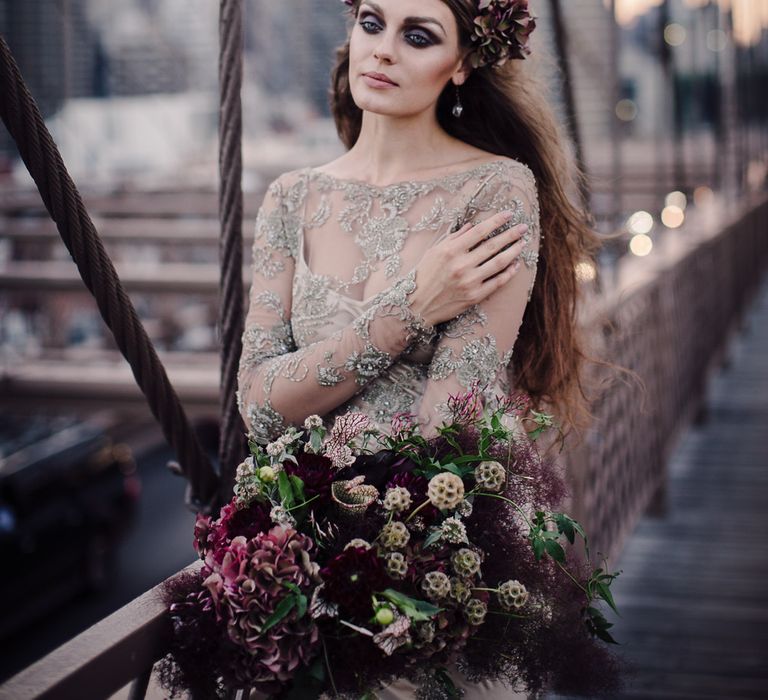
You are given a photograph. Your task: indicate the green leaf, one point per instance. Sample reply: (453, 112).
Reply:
(298, 488)
(555, 550)
(605, 594)
(285, 489)
(451, 467)
(538, 547)
(467, 459)
(433, 537)
(565, 526)
(283, 608)
(317, 670)
(447, 685)
(301, 606)
(417, 610)
(598, 625)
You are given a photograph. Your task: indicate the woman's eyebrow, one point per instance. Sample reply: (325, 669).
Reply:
(408, 20)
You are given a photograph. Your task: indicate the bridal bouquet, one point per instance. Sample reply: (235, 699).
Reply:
(351, 557)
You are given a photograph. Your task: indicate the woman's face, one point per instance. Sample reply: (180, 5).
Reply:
(414, 43)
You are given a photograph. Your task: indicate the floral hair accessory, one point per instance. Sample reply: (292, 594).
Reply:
(501, 31)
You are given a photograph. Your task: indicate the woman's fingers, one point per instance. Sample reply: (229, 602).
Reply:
(496, 243)
(471, 234)
(501, 261)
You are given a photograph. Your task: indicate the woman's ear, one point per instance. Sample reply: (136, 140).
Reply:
(461, 74)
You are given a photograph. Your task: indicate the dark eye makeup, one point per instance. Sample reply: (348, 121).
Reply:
(418, 36)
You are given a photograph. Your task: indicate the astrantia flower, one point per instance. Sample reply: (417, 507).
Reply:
(352, 577)
(280, 516)
(453, 530)
(313, 421)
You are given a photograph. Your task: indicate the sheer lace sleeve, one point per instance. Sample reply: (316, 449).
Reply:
(477, 345)
(279, 384)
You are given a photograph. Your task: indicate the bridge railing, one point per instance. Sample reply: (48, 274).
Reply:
(669, 325)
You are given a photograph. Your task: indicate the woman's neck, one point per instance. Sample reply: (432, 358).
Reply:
(391, 149)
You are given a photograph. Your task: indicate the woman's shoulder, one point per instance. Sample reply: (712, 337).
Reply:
(516, 169)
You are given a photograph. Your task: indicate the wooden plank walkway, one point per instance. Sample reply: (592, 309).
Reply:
(693, 594)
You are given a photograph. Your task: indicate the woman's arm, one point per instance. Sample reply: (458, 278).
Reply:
(477, 345)
(280, 385)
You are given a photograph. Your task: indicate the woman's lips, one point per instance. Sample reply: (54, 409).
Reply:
(376, 83)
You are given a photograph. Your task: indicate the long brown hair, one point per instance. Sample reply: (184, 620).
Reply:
(507, 112)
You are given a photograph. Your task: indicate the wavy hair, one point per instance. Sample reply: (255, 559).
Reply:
(507, 112)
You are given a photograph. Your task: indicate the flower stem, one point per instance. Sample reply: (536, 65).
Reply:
(504, 498)
(328, 666)
(301, 505)
(426, 503)
(574, 580)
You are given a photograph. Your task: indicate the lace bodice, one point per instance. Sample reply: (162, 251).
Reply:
(329, 326)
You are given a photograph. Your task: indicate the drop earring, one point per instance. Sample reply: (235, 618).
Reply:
(457, 108)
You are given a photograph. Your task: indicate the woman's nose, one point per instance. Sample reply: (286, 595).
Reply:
(384, 50)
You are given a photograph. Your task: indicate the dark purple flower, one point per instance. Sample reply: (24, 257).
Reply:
(351, 577)
(211, 536)
(316, 471)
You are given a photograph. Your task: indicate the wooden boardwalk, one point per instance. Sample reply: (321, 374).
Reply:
(693, 594)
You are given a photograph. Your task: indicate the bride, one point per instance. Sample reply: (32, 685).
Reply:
(440, 242)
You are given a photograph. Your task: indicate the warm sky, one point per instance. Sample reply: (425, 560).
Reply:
(749, 16)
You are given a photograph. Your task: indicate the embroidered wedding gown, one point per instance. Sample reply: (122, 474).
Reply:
(329, 326)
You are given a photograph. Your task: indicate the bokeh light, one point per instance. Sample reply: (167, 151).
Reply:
(672, 216)
(640, 245)
(585, 271)
(626, 110)
(676, 199)
(702, 195)
(640, 222)
(717, 40)
(674, 34)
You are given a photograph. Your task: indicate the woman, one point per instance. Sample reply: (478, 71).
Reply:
(412, 266)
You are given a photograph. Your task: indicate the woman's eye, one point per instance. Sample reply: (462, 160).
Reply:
(422, 40)
(372, 26)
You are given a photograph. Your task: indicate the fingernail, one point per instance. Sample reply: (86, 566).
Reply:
(523, 228)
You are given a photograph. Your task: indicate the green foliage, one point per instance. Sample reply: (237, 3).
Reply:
(294, 599)
(416, 610)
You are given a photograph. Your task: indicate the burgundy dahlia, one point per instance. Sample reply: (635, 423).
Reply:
(352, 577)
(316, 471)
(213, 535)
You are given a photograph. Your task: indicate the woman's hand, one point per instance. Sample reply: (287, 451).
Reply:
(466, 267)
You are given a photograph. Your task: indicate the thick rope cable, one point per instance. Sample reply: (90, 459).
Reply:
(24, 122)
(561, 46)
(232, 441)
